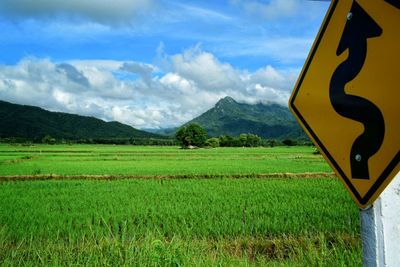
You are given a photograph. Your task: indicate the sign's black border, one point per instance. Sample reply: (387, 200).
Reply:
(393, 163)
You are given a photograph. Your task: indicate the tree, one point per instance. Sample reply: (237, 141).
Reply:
(253, 140)
(289, 142)
(250, 140)
(212, 142)
(243, 139)
(48, 140)
(271, 143)
(191, 135)
(225, 140)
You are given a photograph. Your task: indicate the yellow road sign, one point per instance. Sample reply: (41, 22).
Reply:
(347, 97)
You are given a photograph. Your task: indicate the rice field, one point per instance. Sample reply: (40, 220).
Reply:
(156, 161)
(151, 206)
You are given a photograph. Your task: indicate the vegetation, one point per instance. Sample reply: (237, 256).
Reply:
(191, 135)
(289, 142)
(156, 161)
(244, 140)
(212, 142)
(178, 222)
(49, 140)
(84, 205)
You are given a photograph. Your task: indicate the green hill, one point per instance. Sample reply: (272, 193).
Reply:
(229, 117)
(34, 123)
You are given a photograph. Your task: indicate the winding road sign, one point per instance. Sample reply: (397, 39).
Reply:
(347, 97)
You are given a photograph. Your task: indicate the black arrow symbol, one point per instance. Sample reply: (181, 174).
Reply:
(359, 27)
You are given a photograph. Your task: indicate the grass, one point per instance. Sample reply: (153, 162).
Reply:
(227, 220)
(220, 221)
(156, 161)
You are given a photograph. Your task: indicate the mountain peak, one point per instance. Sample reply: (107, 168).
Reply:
(229, 117)
(227, 99)
(225, 104)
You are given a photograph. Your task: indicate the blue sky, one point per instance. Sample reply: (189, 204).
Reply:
(148, 63)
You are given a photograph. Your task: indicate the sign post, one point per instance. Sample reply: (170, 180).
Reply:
(380, 228)
(347, 101)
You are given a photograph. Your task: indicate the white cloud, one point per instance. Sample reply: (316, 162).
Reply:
(194, 81)
(202, 13)
(273, 9)
(175, 82)
(143, 70)
(206, 70)
(72, 74)
(102, 11)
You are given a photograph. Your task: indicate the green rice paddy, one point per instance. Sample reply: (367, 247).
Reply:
(125, 206)
(153, 161)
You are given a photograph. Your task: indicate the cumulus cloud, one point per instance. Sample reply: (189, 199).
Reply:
(205, 70)
(143, 70)
(73, 74)
(103, 11)
(141, 94)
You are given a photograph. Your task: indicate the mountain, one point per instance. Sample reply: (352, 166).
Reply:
(229, 117)
(162, 131)
(34, 123)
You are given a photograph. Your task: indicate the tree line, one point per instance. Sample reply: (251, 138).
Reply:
(188, 136)
(112, 141)
(193, 135)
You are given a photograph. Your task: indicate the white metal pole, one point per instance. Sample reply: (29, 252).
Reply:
(380, 228)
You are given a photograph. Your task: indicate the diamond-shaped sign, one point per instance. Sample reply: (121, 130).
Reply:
(347, 97)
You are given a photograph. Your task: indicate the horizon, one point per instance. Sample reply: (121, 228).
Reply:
(152, 64)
